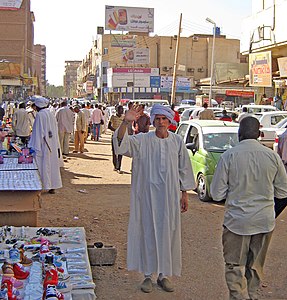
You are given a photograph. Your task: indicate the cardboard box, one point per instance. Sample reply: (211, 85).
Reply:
(17, 218)
(105, 256)
(19, 208)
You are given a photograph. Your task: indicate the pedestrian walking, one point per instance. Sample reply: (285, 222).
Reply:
(114, 123)
(87, 114)
(161, 168)
(21, 123)
(79, 130)
(248, 177)
(206, 113)
(65, 119)
(97, 119)
(176, 119)
(45, 142)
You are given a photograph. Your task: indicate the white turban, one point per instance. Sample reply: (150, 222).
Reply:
(159, 109)
(40, 101)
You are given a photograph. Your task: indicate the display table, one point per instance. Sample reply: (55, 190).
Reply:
(20, 189)
(72, 242)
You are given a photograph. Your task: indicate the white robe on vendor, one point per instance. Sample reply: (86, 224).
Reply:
(45, 141)
(161, 168)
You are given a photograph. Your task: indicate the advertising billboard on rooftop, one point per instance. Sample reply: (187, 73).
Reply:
(134, 19)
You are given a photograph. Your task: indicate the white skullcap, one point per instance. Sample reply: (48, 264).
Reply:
(40, 101)
(159, 109)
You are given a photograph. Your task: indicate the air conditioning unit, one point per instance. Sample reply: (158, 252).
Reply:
(190, 70)
(195, 38)
(200, 70)
(165, 69)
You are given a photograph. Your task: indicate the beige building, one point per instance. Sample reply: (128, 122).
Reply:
(16, 50)
(39, 64)
(70, 78)
(264, 31)
(149, 73)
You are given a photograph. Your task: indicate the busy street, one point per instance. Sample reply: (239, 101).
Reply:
(96, 197)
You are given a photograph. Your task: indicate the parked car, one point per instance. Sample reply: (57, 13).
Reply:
(188, 101)
(206, 140)
(280, 128)
(256, 108)
(187, 112)
(196, 112)
(218, 114)
(180, 108)
(270, 122)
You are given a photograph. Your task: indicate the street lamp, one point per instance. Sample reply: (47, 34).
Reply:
(212, 60)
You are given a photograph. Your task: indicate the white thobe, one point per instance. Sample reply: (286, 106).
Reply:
(161, 168)
(45, 141)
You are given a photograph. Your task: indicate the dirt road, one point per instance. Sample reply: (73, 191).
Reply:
(97, 198)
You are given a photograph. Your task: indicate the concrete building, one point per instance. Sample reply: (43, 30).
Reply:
(39, 64)
(70, 78)
(147, 73)
(264, 35)
(16, 49)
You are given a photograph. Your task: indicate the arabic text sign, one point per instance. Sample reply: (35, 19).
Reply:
(123, 41)
(136, 56)
(260, 69)
(10, 4)
(136, 19)
(282, 62)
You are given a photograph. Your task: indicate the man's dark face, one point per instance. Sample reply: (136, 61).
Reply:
(120, 110)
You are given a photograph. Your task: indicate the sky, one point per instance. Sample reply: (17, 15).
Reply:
(68, 27)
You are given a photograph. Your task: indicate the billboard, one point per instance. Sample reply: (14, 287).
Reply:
(10, 4)
(260, 69)
(183, 84)
(123, 41)
(135, 56)
(282, 63)
(122, 18)
(10, 69)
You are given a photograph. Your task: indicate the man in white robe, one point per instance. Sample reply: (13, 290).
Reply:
(45, 142)
(161, 168)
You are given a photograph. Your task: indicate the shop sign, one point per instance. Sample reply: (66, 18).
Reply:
(183, 84)
(10, 69)
(123, 40)
(134, 19)
(282, 63)
(155, 81)
(238, 93)
(10, 4)
(260, 69)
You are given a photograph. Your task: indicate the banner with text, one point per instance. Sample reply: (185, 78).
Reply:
(135, 19)
(10, 4)
(123, 41)
(260, 69)
(136, 56)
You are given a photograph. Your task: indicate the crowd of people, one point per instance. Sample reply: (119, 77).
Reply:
(249, 177)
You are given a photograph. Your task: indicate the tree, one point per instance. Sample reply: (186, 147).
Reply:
(55, 91)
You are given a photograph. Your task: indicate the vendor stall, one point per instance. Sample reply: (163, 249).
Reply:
(61, 249)
(20, 189)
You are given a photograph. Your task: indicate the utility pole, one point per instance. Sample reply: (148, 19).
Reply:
(173, 88)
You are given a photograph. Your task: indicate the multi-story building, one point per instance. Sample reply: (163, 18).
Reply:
(70, 78)
(16, 49)
(39, 64)
(264, 41)
(141, 66)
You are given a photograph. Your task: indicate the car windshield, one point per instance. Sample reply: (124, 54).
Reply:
(219, 142)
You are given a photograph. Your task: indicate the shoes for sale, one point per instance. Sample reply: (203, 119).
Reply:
(14, 255)
(3, 294)
(24, 260)
(19, 272)
(7, 269)
(16, 283)
(51, 293)
(51, 277)
(63, 287)
(12, 292)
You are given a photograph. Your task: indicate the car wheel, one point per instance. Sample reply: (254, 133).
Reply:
(202, 189)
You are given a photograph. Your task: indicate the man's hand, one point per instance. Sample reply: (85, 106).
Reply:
(132, 114)
(184, 201)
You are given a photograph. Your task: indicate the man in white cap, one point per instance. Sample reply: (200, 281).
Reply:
(160, 170)
(45, 142)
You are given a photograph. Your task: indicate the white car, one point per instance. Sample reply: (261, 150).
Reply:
(196, 112)
(270, 123)
(180, 109)
(187, 112)
(256, 108)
